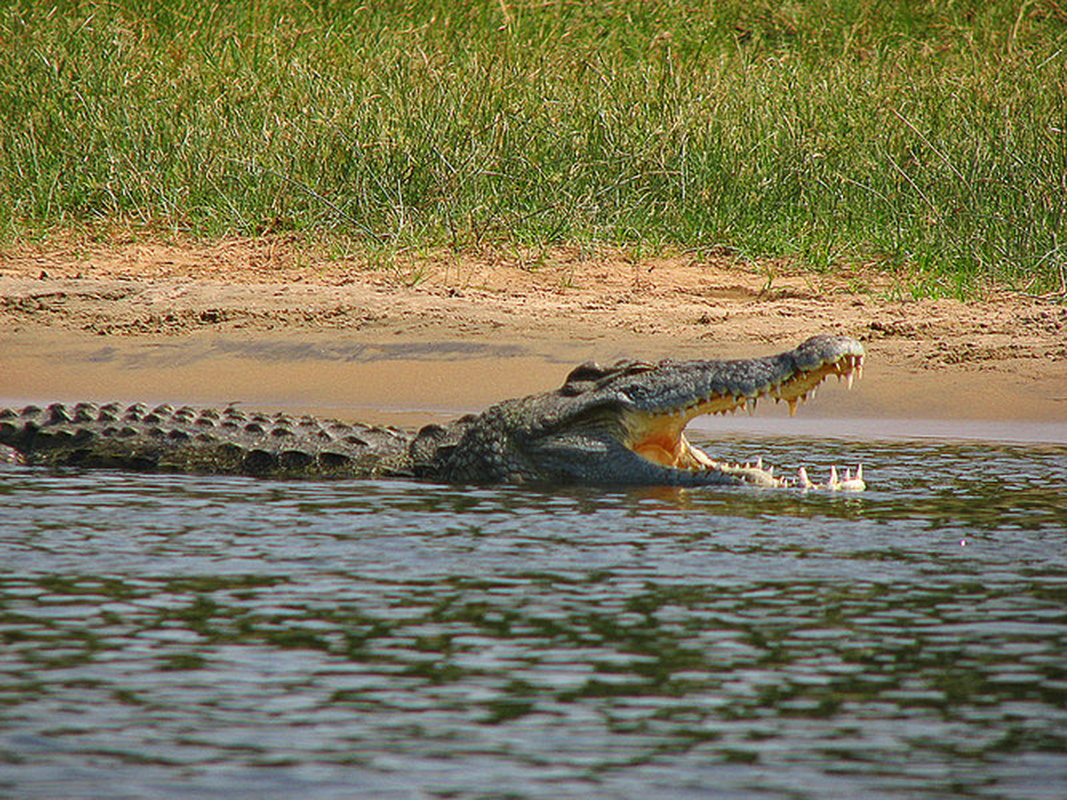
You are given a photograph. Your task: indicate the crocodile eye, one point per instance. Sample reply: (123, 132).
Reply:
(584, 373)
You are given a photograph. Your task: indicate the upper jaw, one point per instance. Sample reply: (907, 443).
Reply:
(695, 388)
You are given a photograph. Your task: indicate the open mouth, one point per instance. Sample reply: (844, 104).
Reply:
(660, 437)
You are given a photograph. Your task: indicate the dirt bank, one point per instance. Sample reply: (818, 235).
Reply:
(518, 316)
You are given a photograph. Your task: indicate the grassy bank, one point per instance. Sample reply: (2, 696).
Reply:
(926, 136)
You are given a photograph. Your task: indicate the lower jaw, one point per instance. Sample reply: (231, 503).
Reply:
(757, 475)
(693, 466)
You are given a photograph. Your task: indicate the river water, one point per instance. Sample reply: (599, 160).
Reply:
(165, 636)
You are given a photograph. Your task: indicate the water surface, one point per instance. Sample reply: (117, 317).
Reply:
(168, 636)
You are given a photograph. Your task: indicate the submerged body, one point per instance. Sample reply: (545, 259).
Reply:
(622, 424)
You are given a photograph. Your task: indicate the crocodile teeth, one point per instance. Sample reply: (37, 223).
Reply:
(702, 458)
(851, 483)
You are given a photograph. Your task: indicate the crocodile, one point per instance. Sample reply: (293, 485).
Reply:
(621, 424)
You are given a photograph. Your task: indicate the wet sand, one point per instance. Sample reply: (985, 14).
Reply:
(410, 383)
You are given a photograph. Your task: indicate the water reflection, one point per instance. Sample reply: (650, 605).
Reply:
(166, 635)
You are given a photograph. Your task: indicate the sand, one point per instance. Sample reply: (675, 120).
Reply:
(279, 323)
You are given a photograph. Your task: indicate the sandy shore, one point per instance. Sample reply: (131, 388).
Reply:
(270, 323)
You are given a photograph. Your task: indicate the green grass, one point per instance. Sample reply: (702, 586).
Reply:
(925, 137)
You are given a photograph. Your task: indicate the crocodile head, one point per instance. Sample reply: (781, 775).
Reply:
(625, 424)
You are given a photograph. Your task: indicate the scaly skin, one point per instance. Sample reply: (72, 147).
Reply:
(618, 425)
(202, 440)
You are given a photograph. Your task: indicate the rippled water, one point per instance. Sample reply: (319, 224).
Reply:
(188, 636)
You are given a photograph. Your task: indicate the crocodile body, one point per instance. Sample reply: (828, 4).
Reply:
(202, 440)
(621, 424)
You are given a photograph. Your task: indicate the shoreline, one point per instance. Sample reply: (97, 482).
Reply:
(236, 321)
